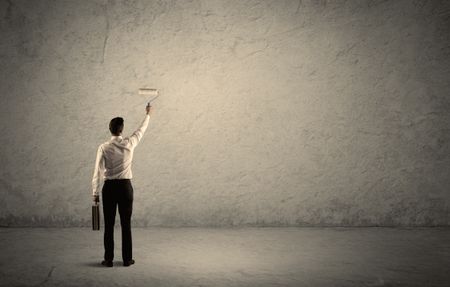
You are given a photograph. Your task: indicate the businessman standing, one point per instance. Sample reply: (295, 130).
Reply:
(113, 164)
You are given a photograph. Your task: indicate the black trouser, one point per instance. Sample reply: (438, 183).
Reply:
(117, 192)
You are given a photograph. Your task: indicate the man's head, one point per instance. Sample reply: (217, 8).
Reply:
(116, 126)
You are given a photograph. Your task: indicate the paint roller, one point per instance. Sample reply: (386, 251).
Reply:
(153, 93)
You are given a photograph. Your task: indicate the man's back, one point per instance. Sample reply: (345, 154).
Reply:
(118, 153)
(118, 158)
(114, 157)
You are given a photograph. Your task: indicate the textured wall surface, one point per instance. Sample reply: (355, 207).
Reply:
(271, 112)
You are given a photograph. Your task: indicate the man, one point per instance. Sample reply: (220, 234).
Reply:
(113, 164)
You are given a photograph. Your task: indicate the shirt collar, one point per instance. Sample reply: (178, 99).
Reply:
(116, 137)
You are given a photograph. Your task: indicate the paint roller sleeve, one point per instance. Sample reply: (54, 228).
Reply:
(148, 92)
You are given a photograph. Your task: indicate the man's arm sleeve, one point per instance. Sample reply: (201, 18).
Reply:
(136, 137)
(98, 171)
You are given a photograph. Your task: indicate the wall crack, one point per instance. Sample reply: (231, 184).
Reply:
(105, 40)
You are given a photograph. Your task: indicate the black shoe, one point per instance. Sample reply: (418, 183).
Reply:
(128, 263)
(107, 263)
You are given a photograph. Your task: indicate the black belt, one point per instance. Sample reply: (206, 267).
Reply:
(118, 179)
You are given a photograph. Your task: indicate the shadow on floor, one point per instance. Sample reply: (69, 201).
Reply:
(93, 264)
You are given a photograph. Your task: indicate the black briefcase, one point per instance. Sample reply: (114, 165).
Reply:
(95, 217)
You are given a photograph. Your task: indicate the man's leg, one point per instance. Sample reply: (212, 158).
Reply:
(109, 215)
(125, 211)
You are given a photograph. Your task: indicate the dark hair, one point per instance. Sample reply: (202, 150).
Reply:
(116, 125)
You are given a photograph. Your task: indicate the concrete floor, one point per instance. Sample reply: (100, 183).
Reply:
(229, 257)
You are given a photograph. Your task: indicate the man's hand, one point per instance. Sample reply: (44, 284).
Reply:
(148, 108)
(95, 199)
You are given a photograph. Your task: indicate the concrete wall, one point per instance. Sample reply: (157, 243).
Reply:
(271, 112)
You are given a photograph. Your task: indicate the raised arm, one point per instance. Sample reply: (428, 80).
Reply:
(136, 137)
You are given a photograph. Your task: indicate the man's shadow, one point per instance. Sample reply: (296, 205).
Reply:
(92, 264)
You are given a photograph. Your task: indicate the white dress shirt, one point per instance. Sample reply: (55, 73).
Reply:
(114, 157)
